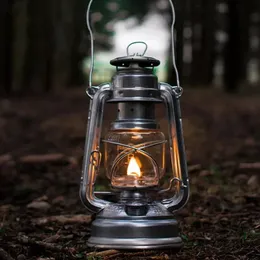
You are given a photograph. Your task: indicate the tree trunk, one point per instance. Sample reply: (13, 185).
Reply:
(257, 24)
(64, 37)
(208, 41)
(77, 55)
(253, 57)
(244, 13)
(197, 67)
(203, 41)
(6, 46)
(20, 41)
(37, 74)
(233, 52)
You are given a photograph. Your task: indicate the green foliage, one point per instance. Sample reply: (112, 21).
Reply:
(2, 231)
(79, 256)
(244, 236)
(106, 12)
(184, 237)
(251, 235)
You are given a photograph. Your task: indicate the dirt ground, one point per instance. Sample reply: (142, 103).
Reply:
(42, 140)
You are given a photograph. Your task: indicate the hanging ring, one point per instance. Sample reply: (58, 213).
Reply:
(136, 54)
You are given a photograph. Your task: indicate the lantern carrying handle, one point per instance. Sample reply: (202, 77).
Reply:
(136, 54)
(90, 88)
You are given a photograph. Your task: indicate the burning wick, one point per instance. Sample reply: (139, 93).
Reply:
(133, 168)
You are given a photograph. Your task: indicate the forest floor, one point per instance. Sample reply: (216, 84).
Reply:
(42, 140)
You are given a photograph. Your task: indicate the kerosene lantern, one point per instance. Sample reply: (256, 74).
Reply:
(141, 215)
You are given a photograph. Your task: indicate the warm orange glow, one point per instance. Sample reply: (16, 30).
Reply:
(133, 168)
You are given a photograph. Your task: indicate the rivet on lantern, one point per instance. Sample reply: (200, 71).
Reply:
(140, 213)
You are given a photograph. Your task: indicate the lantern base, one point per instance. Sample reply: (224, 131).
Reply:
(131, 244)
(152, 227)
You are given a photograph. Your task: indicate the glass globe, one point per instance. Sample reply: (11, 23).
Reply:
(134, 158)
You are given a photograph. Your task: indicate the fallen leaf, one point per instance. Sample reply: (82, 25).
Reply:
(5, 159)
(39, 205)
(253, 182)
(42, 158)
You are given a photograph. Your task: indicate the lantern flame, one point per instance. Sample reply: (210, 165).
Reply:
(133, 168)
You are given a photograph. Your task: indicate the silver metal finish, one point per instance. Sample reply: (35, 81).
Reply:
(136, 243)
(177, 149)
(89, 91)
(135, 219)
(135, 114)
(135, 84)
(92, 158)
(147, 226)
(136, 91)
(171, 185)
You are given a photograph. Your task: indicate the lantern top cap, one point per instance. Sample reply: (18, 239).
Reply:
(135, 58)
(141, 61)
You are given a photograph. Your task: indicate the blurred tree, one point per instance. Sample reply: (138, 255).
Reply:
(77, 55)
(20, 41)
(68, 20)
(54, 32)
(6, 45)
(208, 41)
(236, 50)
(40, 40)
(203, 36)
(197, 28)
(256, 30)
(245, 9)
(39, 51)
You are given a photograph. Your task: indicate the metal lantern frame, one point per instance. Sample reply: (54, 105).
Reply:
(105, 93)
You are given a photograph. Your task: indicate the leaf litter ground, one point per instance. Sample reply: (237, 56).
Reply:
(42, 140)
